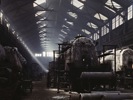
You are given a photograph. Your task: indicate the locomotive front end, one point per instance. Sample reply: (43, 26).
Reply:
(82, 54)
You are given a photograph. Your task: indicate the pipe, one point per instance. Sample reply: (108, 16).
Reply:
(119, 96)
(106, 96)
(95, 75)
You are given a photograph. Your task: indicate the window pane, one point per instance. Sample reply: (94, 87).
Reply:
(130, 12)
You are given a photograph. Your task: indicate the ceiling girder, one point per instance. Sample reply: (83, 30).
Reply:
(90, 17)
(123, 3)
(40, 8)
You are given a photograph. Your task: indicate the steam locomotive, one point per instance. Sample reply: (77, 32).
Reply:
(10, 71)
(78, 64)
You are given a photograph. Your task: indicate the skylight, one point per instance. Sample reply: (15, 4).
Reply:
(43, 30)
(74, 15)
(62, 35)
(70, 23)
(92, 25)
(38, 22)
(100, 16)
(39, 13)
(116, 5)
(43, 42)
(39, 2)
(64, 26)
(42, 35)
(44, 18)
(86, 31)
(112, 4)
(60, 39)
(77, 4)
(43, 25)
(109, 3)
(109, 9)
(64, 32)
(42, 39)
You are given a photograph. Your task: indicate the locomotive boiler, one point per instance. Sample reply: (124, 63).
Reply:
(81, 54)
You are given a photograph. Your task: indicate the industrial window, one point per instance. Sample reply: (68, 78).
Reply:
(117, 21)
(130, 12)
(38, 55)
(49, 54)
(113, 23)
(104, 30)
(44, 54)
(121, 20)
(96, 36)
(107, 29)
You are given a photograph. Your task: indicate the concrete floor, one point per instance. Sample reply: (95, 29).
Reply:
(41, 92)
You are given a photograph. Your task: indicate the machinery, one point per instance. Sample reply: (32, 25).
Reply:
(124, 58)
(11, 64)
(77, 62)
(123, 66)
(78, 67)
(79, 57)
